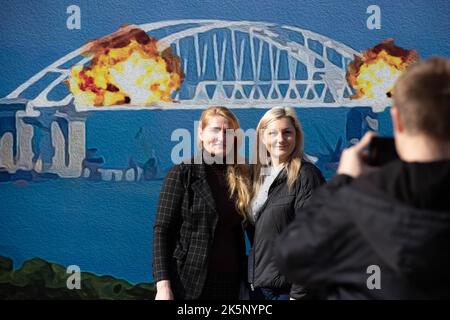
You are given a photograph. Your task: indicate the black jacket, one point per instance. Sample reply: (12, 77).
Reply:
(277, 212)
(184, 230)
(397, 219)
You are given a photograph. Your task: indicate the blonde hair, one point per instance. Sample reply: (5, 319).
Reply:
(294, 161)
(237, 173)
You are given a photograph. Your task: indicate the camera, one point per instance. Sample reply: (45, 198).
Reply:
(381, 151)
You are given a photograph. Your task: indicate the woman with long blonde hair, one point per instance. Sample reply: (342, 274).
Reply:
(199, 246)
(283, 181)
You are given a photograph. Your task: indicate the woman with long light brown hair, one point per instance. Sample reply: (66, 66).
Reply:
(198, 245)
(283, 181)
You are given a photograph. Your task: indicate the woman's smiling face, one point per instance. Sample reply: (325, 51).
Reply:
(214, 136)
(279, 139)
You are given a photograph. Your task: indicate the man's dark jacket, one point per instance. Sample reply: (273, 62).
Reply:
(397, 220)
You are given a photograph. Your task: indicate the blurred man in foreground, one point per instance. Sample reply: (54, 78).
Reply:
(384, 234)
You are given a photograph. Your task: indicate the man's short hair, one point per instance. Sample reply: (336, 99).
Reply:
(422, 97)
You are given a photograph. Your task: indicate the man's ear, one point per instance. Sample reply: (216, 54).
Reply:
(397, 123)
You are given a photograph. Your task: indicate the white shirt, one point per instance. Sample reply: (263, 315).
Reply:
(269, 175)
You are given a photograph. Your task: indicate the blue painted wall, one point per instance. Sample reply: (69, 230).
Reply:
(107, 228)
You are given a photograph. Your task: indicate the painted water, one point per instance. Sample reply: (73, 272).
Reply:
(85, 223)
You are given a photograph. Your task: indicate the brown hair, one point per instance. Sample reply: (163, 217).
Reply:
(237, 172)
(422, 97)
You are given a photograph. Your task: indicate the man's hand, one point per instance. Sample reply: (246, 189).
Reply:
(163, 290)
(352, 161)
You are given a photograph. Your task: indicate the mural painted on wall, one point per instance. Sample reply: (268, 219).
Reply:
(86, 141)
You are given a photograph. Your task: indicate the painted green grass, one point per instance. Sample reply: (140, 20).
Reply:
(40, 279)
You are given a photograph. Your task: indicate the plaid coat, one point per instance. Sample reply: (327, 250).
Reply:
(183, 231)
